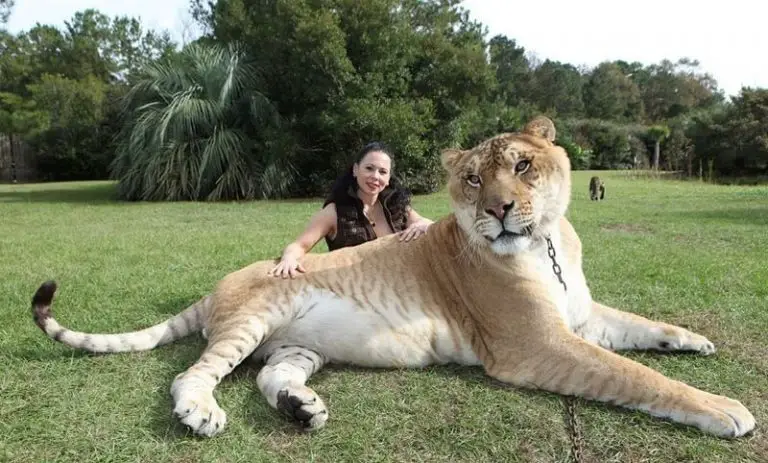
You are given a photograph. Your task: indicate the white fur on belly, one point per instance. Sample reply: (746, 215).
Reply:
(344, 331)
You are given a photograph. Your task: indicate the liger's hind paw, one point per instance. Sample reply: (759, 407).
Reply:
(304, 406)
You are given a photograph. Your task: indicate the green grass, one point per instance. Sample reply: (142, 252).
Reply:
(683, 252)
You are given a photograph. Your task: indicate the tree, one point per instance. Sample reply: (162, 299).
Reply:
(513, 71)
(195, 130)
(58, 86)
(611, 94)
(609, 145)
(112, 48)
(6, 6)
(657, 134)
(75, 143)
(344, 72)
(733, 139)
(557, 89)
(748, 127)
(672, 89)
(678, 148)
(20, 115)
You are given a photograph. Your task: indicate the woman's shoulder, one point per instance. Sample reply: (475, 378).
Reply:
(326, 215)
(329, 208)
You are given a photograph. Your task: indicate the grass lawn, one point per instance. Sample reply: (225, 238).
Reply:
(682, 252)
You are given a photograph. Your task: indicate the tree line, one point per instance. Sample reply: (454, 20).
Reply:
(281, 90)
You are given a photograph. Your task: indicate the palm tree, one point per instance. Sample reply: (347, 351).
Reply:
(657, 133)
(195, 126)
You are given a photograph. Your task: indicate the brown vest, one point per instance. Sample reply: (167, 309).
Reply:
(353, 227)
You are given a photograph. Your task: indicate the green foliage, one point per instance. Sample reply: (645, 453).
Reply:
(672, 89)
(609, 94)
(75, 142)
(90, 44)
(68, 101)
(112, 47)
(342, 73)
(419, 75)
(580, 157)
(658, 132)
(678, 150)
(58, 86)
(20, 115)
(512, 69)
(6, 6)
(398, 121)
(557, 88)
(610, 145)
(490, 119)
(195, 129)
(734, 138)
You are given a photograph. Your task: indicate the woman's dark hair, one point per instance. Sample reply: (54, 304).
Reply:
(400, 197)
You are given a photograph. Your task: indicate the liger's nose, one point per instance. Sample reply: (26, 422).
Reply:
(499, 210)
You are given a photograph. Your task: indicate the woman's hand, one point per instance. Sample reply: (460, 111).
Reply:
(287, 268)
(413, 232)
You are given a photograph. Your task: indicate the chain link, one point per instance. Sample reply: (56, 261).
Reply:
(574, 430)
(555, 266)
(571, 422)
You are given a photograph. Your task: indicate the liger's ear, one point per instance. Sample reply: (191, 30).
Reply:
(541, 126)
(451, 157)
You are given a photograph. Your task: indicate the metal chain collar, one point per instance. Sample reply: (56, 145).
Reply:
(571, 422)
(555, 266)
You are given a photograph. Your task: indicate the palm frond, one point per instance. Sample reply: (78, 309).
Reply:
(187, 128)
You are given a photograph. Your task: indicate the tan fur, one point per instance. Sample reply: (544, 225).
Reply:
(464, 293)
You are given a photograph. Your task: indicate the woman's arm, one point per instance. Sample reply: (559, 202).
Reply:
(417, 226)
(320, 225)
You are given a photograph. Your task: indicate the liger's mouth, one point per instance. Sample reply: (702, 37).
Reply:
(509, 234)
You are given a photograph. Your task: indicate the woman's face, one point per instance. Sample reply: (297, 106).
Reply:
(373, 172)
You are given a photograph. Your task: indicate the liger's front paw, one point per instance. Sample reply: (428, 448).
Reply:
(686, 341)
(202, 414)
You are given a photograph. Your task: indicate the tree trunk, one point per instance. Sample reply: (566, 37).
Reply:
(690, 165)
(656, 150)
(13, 158)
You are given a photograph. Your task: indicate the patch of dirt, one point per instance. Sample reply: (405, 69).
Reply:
(627, 228)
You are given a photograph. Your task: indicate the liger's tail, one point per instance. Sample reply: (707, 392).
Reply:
(191, 320)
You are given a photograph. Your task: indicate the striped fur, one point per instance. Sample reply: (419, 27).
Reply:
(189, 321)
(477, 289)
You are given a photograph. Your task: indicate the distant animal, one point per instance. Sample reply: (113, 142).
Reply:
(596, 189)
(498, 283)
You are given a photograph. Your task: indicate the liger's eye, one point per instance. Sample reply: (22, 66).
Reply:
(522, 166)
(474, 180)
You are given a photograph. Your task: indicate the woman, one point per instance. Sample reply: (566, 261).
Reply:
(365, 203)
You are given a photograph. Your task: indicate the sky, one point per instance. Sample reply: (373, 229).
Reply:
(727, 38)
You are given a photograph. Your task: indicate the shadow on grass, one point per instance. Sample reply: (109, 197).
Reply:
(175, 306)
(264, 419)
(101, 193)
(168, 427)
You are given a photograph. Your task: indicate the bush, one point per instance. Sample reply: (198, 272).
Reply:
(196, 128)
(75, 140)
(611, 145)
